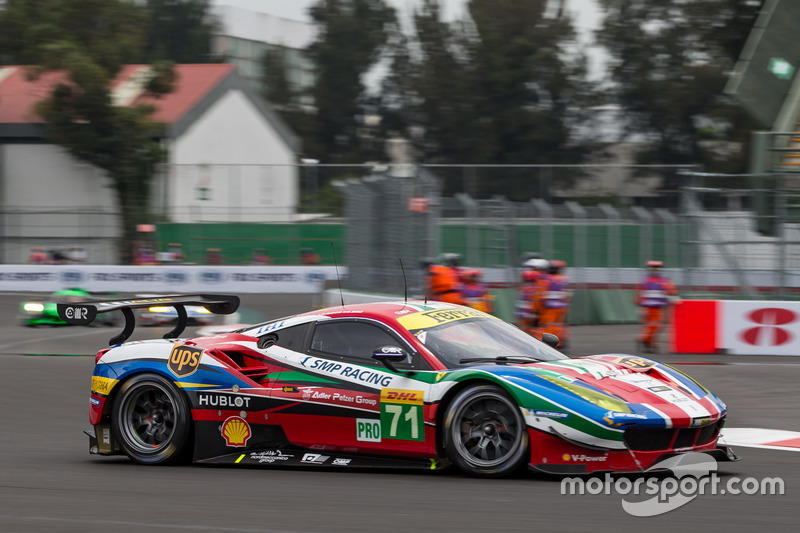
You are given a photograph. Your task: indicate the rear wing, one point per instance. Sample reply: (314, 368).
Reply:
(84, 313)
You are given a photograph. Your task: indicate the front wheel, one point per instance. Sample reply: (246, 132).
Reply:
(151, 420)
(484, 432)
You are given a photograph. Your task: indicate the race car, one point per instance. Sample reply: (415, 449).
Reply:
(43, 312)
(162, 315)
(392, 384)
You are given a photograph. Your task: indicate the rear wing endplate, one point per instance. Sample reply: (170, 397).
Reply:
(84, 313)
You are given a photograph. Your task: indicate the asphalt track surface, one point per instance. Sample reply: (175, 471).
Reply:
(50, 483)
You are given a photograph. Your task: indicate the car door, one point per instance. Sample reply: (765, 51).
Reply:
(346, 400)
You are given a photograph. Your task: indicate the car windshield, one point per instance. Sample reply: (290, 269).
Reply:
(482, 339)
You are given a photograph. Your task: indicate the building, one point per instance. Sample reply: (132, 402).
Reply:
(245, 37)
(231, 159)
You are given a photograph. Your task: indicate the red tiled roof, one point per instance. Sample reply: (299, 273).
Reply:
(18, 95)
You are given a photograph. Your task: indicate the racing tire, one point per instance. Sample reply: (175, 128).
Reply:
(151, 420)
(484, 432)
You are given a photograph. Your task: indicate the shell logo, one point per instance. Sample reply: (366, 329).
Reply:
(236, 431)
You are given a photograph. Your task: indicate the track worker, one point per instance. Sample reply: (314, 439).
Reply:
(654, 294)
(445, 279)
(474, 291)
(529, 299)
(555, 298)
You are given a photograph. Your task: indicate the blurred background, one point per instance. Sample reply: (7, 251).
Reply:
(603, 133)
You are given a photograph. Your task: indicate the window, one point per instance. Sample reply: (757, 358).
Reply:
(292, 338)
(356, 341)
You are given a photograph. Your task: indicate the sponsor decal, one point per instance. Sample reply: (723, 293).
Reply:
(72, 276)
(94, 401)
(401, 414)
(290, 388)
(315, 458)
(270, 456)
(402, 396)
(27, 276)
(315, 277)
(101, 385)
(138, 277)
(75, 312)
(362, 374)
(550, 414)
(427, 319)
(583, 458)
(767, 331)
(279, 277)
(211, 399)
(308, 394)
(635, 363)
(236, 431)
(440, 375)
(176, 277)
(184, 360)
(106, 435)
(341, 462)
(368, 430)
(703, 421)
(267, 328)
(211, 276)
(617, 414)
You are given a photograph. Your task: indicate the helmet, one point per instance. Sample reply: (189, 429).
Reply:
(537, 264)
(527, 256)
(451, 259)
(557, 266)
(530, 275)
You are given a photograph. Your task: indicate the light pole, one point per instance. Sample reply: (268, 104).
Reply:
(311, 181)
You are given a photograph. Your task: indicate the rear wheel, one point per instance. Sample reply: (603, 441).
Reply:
(151, 420)
(485, 434)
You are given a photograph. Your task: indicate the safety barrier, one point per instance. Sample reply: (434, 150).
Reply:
(743, 327)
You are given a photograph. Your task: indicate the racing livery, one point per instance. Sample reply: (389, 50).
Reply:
(408, 383)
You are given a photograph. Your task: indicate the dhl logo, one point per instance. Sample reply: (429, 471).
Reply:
(102, 385)
(402, 396)
(184, 360)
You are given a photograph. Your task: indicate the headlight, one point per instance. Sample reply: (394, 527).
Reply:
(598, 398)
(203, 311)
(31, 307)
(159, 309)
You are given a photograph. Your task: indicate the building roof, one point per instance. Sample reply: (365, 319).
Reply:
(197, 87)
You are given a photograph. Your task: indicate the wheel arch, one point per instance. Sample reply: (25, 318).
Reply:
(447, 399)
(108, 406)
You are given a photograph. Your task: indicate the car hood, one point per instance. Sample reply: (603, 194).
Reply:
(616, 390)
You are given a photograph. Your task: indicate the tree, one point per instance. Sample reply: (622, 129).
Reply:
(179, 31)
(351, 39)
(498, 88)
(669, 64)
(89, 41)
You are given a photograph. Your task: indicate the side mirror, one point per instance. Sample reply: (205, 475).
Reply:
(388, 355)
(550, 339)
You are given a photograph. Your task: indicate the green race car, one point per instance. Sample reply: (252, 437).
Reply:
(43, 313)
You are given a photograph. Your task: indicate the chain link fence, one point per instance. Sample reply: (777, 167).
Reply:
(736, 235)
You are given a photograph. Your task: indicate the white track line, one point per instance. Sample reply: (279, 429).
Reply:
(770, 439)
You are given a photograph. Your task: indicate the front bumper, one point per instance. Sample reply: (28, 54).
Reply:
(553, 455)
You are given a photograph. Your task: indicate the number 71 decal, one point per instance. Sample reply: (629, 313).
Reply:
(401, 414)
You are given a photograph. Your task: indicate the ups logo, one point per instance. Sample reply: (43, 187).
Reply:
(184, 360)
